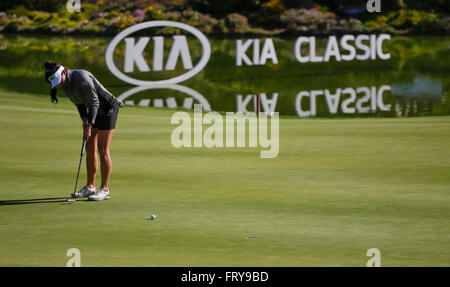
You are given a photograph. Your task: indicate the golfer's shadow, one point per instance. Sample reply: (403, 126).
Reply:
(34, 200)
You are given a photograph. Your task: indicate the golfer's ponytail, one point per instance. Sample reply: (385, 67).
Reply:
(53, 96)
(51, 68)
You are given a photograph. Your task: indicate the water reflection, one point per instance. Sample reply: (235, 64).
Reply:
(419, 87)
(344, 100)
(414, 82)
(170, 102)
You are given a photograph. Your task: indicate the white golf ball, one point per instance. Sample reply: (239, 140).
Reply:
(153, 216)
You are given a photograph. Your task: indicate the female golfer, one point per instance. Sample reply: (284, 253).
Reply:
(98, 110)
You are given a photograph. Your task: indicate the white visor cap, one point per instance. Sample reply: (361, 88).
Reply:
(55, 79)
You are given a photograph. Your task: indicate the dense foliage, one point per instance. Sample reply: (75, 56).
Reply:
(228, 17)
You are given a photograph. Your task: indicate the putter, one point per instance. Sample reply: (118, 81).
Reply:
(79, 165)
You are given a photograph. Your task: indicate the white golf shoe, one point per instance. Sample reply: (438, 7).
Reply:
(84, 192)
(101, 194)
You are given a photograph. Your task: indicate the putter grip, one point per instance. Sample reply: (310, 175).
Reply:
(83, 146)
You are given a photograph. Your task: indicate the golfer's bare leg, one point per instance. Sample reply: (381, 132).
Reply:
(104, 139)
(91, 158)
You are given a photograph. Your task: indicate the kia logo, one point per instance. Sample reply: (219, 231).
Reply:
(179, 51)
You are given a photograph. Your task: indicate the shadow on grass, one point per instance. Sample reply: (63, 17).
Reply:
(35, 200)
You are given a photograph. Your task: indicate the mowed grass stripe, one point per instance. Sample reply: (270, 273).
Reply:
(337, 188)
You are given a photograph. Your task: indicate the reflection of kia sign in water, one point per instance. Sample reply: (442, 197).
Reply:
(134, 48)
(171, 101)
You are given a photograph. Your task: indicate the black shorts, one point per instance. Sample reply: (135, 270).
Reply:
(106, 121)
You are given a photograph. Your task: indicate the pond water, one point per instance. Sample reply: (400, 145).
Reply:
(413, 82)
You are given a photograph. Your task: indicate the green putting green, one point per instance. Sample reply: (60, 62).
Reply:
(337, 188)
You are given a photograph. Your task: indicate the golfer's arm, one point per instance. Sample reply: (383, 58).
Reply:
(92, 97)
(82, 111)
